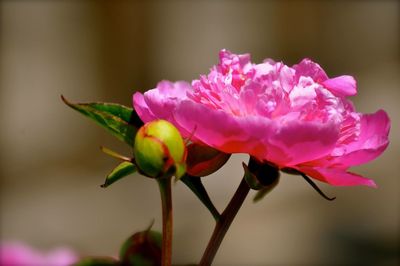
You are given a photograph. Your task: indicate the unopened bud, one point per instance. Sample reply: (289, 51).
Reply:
(261, 176)
(204, 160)
(159, 150)
(142, 248)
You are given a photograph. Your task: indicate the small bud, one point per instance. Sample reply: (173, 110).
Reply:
(261, 176)
(159, 150)
(266, 173)
(204, 160)
(142, 248)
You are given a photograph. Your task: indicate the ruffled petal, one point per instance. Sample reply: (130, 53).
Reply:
(293, 143)
(230, 134)
(336, 176)
(308, 68)
(213, 127)
(164, 99)
(341, 86)
(161, 102)
(372, 141)
(228, 60)
(302, 140)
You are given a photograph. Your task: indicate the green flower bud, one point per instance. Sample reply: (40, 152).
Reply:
(143, 248)
(159, 150)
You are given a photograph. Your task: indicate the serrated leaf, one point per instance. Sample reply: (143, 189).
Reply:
(114, 117)
(196, 186)
(122, 170)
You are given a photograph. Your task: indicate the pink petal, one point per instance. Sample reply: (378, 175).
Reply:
(283, 143)
(160, 102)
(61, 257)
(302, 140)
(372, 141)
(213, 127)
(308, 68)
(163, 100)
(18, 254)
(336, 176)
(229, 60)
(141, 108)
(14, 254)
(341, 86)
(176, 90)
(227, 133)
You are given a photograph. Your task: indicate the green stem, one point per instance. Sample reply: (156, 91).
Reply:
(224, 222)
(166, 202)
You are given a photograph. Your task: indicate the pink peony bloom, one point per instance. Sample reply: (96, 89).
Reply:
(293, 117)
(17, 254)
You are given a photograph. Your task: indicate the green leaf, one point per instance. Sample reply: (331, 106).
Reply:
(114, 117)
(122, 170)
(251, 179)
(194, 184)
(104, 261)
(115, 154)
(115, 109)
(265, 190)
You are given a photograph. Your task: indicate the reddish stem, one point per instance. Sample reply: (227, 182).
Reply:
(224, 222)
(166, 202)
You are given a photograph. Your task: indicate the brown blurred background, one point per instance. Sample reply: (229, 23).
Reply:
(51, 166)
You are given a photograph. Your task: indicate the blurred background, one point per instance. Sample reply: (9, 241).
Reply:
(51, 166)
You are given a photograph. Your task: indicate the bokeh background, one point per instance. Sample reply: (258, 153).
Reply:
(51, 166)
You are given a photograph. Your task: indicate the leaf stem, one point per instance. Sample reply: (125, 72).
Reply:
(223, 223)
(196, 186)
(166, 202)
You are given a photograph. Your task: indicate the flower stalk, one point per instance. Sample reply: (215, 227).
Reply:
(223, 223)
(166, 203)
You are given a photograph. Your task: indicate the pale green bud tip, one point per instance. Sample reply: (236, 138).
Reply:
(158, 148)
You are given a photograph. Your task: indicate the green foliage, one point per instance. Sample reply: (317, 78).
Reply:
(113, 117)
(196, 186)
(97, 262)
(260, 176)
(263, 192)
(122, 170)
(251, 178)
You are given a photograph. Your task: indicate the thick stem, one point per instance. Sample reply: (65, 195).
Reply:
(224, 222)
(166, 202)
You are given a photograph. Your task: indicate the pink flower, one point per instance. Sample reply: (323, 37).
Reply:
(293, 117)
(17, 254)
